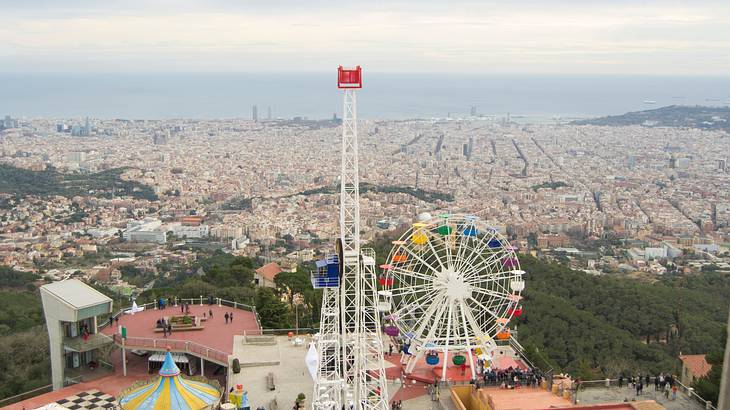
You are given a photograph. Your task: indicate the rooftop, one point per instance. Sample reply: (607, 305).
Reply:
(76, 293)
(215, 333)
(696, 363)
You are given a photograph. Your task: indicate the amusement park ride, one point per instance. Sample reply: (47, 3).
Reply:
(449, 289)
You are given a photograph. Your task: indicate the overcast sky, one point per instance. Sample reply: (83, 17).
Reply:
(508, 36)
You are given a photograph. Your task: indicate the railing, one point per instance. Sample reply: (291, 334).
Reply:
(690, 392)
(687, 391)
(186, 346)
(26, 395)
(93, 341)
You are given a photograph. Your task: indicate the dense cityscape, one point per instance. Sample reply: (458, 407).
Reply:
(611, 199)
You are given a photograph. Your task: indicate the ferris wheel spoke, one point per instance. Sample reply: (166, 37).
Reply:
(499, 279)
(475, 325)
(411, 289)
(413, 254)
(438, 310)
(482, 264)
(400, 272)
(490, 293)
(436, 254)
(482, 246)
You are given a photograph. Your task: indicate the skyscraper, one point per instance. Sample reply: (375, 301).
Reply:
(255, 113)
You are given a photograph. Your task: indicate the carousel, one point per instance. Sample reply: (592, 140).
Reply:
(171, 391)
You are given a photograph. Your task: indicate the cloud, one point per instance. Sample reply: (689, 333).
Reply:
(524, 37)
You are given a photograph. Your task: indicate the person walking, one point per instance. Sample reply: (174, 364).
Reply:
(621, 381)
(182, 308)
(230, 317)
(226, 316)
(647, 379)
(390, 349)
(674, 392)
(210, 313)
(656, 383)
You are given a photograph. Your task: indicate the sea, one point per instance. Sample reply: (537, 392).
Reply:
(531, 98)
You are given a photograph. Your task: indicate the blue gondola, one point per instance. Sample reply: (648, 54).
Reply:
(494, 243)
(327, 274)
(432, 359)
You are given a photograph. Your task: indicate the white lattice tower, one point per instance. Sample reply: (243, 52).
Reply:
(362, 361)
(328, 386)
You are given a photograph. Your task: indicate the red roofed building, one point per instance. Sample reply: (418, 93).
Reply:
(694, 366)
(265, 275)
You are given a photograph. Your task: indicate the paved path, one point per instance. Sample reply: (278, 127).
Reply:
(615, 394)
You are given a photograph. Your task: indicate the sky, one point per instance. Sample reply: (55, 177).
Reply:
(428, 36)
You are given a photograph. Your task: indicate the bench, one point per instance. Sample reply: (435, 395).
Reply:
(270, 381)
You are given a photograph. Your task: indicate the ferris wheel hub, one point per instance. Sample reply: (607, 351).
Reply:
(452, 284)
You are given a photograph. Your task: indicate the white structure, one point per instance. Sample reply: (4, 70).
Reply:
(452, 285)
(350, 371)
(71, 309)
(146, 230)
(188, 231)
(655, 253)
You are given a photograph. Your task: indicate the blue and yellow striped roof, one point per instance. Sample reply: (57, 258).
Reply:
(170, 391)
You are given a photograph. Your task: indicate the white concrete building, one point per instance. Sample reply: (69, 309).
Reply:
(71, 309)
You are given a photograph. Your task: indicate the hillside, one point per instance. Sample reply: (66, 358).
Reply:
(706, 118)
(105, 184)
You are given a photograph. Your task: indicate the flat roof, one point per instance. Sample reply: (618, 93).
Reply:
(76, 293)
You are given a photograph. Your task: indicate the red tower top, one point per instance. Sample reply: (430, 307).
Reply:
(349, 77)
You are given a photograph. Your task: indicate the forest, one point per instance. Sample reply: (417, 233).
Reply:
(590, 326)
(50, 182)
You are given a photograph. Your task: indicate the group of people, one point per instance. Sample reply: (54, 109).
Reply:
(509, 378)
(663, 383)
(166, 327)
(396, 405)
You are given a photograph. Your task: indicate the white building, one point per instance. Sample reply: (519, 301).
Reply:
(188, 231)
(146, 230)
(71, 309)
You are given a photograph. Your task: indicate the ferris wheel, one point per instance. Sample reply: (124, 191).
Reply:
(451, 284)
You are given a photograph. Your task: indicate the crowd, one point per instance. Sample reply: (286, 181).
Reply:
(509, 378)
(667, 384)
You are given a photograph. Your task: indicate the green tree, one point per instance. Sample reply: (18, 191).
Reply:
(273, 312)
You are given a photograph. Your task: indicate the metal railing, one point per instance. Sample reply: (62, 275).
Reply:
(92, 341)
(37, 391)
(681, 388)
(185, 346)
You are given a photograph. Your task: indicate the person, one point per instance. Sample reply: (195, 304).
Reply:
(621, 381)
(210, 313)
(674, 392)
(226, 316)
(647, 379)
(390, 349)
(204, 315)
(230, 317)
(111, 320)
(116, 320)
(182, 308)
(638, 388)
(656, 383)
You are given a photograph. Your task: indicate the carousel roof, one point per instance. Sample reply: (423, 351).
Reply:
(170, 391)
